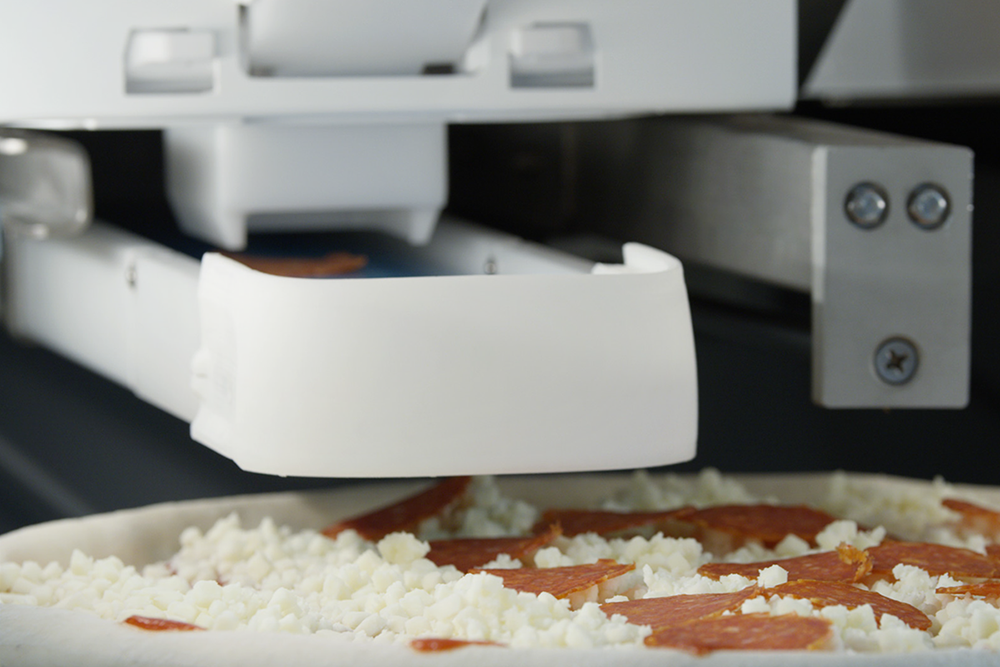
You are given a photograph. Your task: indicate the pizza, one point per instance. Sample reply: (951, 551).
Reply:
(664, 563)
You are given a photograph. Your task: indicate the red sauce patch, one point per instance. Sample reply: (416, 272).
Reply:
(436, 645)
(579, 522)
(406, 514)
(467, 553)
(767, 524)
(746, 632)
(159, 624)
(560, 582)
(659, 613)
(828, 593)
(936, 559)
(846, 564)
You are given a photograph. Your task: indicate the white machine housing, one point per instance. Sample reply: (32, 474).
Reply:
(298, 114)
(302, 115)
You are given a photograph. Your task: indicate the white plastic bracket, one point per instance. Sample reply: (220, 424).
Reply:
(226, 179)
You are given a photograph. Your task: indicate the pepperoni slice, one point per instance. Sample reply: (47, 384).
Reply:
(983, 589)
(746, 632)
(579, 522)
(966, 508)
(560, 582)
(846, 564)
(936, 559)
(827, 593)
(975, 517)
(437, 645)
(159, 624)
(659, 613)
(407, 514)
(767, 524)
(467, 553)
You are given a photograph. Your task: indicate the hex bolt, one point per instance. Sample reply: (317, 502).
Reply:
(896, 360)
(928, 206)
(866, 205)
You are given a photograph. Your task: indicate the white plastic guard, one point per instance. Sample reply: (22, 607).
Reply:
(451, 375)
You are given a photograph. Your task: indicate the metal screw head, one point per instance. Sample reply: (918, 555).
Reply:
(866, 205)
(928, 206)
(896, 360)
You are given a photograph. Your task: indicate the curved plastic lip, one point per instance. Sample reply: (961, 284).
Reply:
(447, 375)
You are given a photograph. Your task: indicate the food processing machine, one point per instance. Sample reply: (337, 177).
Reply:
(393, 130)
